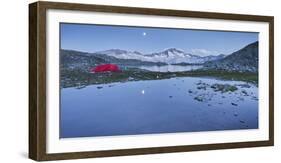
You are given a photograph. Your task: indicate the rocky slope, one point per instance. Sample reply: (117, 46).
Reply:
(243, 60)
(70, 59)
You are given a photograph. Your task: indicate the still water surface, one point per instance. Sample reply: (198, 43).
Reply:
(158, 106)
(171, 68)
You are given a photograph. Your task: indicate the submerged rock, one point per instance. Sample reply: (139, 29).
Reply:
(240, 99)
(204, 97)
(199, 82)
(201, 85)
(99, 87)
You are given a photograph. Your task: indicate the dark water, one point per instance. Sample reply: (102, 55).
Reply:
(159, 106)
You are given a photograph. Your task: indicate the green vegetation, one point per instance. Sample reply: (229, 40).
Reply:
(224, 88)
(225, 75)
(80, 78)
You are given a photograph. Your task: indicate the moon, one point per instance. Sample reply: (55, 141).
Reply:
(144, 33)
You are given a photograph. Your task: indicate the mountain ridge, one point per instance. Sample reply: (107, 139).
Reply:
(169, 56)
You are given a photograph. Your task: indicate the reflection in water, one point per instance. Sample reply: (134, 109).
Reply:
(186, 104)
(171, 68)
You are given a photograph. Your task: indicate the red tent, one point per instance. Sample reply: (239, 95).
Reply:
(105, 68)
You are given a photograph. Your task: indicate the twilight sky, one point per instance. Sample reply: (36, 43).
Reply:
(92, 38)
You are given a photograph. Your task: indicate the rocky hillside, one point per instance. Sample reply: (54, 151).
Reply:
(70, 59)
(243, 60)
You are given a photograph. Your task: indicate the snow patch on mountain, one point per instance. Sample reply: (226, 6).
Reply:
(170, 56)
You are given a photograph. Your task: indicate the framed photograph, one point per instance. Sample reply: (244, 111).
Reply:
(113, 81)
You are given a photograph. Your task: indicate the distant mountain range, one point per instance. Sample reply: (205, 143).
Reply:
(243, 60)
(169, 56)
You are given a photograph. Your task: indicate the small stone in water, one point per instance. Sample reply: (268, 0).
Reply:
(244, 93)
(242, 121)
(201, 87)
(255, 98)
(99, 87)
(244, 85)
(200, 82)
(234, 104)
(170, 96)
(198, 98)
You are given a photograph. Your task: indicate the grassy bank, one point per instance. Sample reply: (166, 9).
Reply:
(224, 75)
(79, 78)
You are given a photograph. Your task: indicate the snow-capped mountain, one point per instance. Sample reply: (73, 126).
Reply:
(173, 56)
(169, 56)
(123, 54)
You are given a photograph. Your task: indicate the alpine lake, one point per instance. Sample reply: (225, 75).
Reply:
(153, 100)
